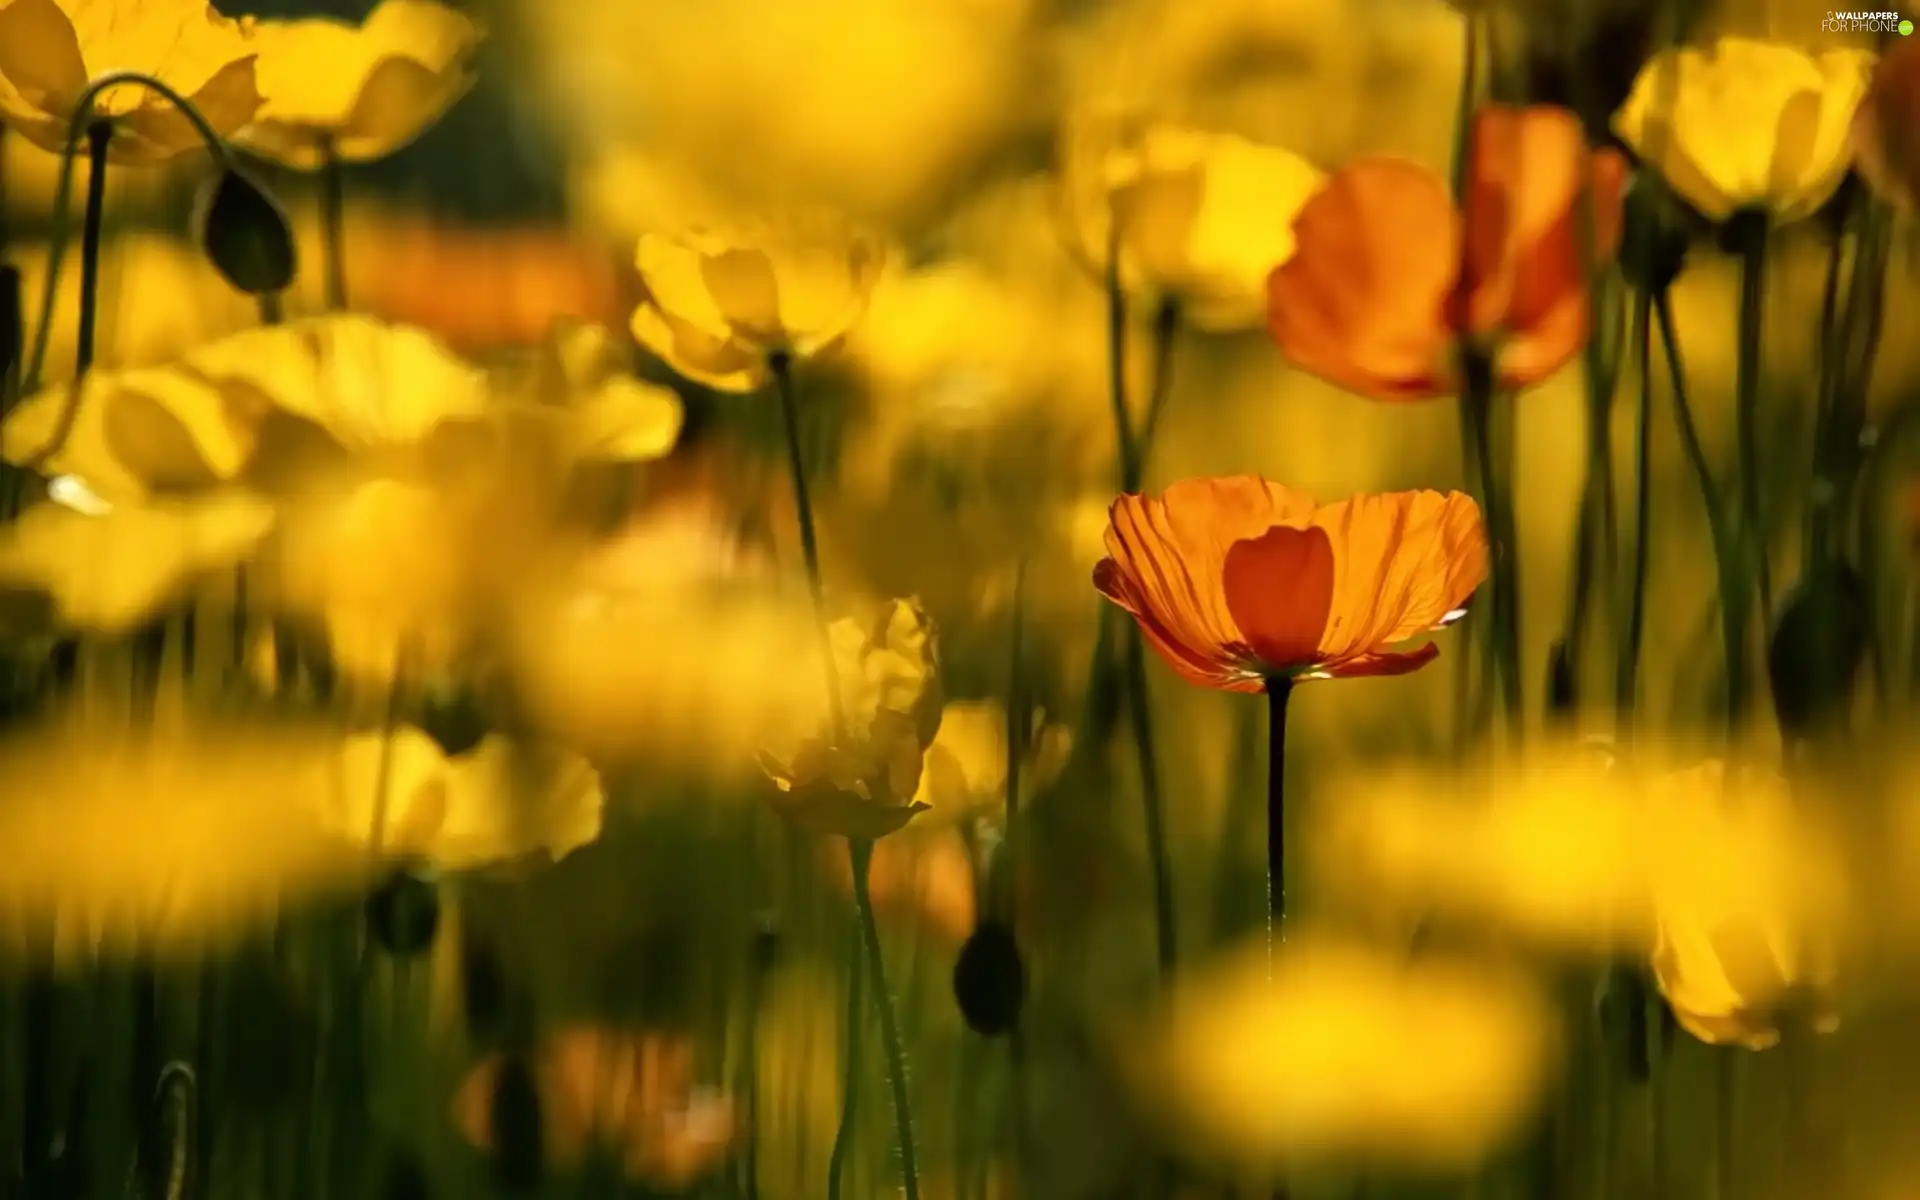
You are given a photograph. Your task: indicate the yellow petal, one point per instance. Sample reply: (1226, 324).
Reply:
(720, 363)
(113, 571)
(625, 420)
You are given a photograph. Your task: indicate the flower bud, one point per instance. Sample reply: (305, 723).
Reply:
(1815, 650)
(403, 914)
(246, 235)
(1653, 236)
(989, 980)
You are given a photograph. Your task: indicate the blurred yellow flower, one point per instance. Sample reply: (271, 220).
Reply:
(965, 773)
(131, 329)
(33, 181)
(164, 841)
(1753, 124)
(633, 1091)
(200, 420)
(1729, 953)
(1340, 1049)
(503, 802)
(720, 300)
(866, 786)
(586, 375)
(51, 49)
(1570, 851)
(358, 93)
(682, 680)
(109, 571)
(1198, 218)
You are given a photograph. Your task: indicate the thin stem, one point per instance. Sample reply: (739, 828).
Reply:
(782, 368)
(1725, 1122)
(332, 217)
(1476, 415)
(1166, 332)
(1140, 712)
(1627, 668)
(1733, 605)
(1125, 446)
(63, 192)
(1753, 289)
(1279, 691)
(1019, 716)
(99, 135)
(862, 856)
(850, 1052)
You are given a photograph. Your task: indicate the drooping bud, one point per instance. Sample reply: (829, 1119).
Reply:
(989, 979)
(403, 914)
(1816, 648)
(246, 235)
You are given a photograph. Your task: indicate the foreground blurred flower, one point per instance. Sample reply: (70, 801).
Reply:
(1238, 580)
(1730, 954)
(1388, 275)
(683, 680)
(502, 803)
(888, 674)
(109, 572)
(1566, 850)
(1267, 1067)
(1198, 218)
(51, 49)
(965, 775)
(1885, 135)
(360, 93)
(167, 840)
(720, 299)
(632, 1093)
(1753, 124)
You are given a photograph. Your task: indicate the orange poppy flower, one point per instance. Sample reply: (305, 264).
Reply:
(1236, 581)
(1387, 275)
(1886, 127)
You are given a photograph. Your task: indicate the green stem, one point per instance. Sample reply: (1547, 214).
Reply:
(99, 135)
(272, 310)
(63, 191)
(782, 367)
(332, 218)
(1753, 289)
(850, 1052)
(1132, 477)
(1627, 668)
(862, 856)
(1733, 606)
(1279, 691)
(1725, 1122)
(1476, 405)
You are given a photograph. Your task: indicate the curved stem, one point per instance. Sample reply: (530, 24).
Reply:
(332, 218)
(850, 1052)
(99, 134)
(1152, 807)
(1279, 691)
(1733, 606)
(63, 191)
(1476, 403)
(1753, 289)
(862, 855)
(1125, 446)
(1166, 332)
(1627, 668)
(782, 368)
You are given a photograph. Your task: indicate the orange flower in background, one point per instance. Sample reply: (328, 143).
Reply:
(1886, 127)
(1388, 274)
(1235, 581)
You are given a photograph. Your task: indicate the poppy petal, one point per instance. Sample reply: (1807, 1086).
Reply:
(1362, 301)
(1279, 588)
(1384, 662)
(1200, 669)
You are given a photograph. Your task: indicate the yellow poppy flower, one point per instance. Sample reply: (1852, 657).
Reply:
(719, 299)
(1265, 1066)
(965, 774)
(1201, 218)
(109, 571)
(164, 841)
(585, 375)
(358, 92)
(865, 787)
(1753, 124)
(51, 49)
(1729, 954)
(503, 802)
